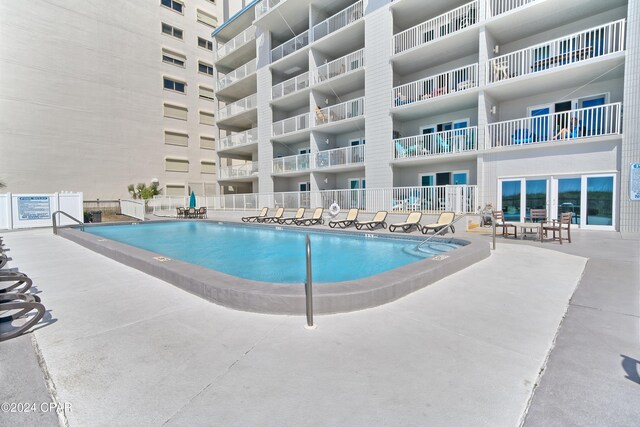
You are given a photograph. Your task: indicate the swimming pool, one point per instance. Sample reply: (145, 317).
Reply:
(270, 254)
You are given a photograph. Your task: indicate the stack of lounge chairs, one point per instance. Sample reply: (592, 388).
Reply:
(19, 309)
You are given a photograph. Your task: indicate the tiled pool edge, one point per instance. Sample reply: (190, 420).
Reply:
(278, 298)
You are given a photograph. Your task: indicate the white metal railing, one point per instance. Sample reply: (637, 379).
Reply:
(339, 20)
(558, 127)
(343, 111)
(289, 86)
(289, 199)
(234, 140)
(239, 171)
(238, 41)
(238, 107)
(458, 80)
(436, 28)
(237, 74)
(339, 157)
(292, 124)
(581, 46)
(265, 6)
(290, 46)
(300, 162)
(434, 144)
(498, 7)
(339, 67)
(133, 208)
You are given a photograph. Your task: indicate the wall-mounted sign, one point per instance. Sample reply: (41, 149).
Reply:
(634, 182)
(32, 208)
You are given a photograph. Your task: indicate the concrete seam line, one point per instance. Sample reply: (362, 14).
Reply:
(51, 387)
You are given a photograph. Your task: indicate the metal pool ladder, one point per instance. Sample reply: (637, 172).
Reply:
(440, 231)
(55, 224)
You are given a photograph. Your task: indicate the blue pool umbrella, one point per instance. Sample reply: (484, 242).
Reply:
(192, 200)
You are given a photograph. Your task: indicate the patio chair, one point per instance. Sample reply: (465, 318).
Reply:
(413, 220)
(378, 219)
(321, 117)
(191, 213)
(275, 218)
(14, 305)
(180, 213)
(522, 136)
(299, 215)
(444, 220)
(536, 216)
(3, 260)
(263, 214)
(315, 219)
(351, 218)
(563, 224)
(17, 282)
(202, 212)
(498, 218)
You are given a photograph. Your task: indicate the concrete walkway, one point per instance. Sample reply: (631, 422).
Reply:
(124, 348)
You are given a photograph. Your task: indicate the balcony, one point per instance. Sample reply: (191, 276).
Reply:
(290, 125)
(291, 164)
(339, 67)
(237, 42)
(498, 7)
(339, 112)
(240, 106)
(578, 47)
(248, 170)
(339, 20)
(290, 86)
(239, 139)
(237, 75)
(437, 28)
(290, 46)
(265, 6)
(346, 156)
(436, 144)
(578, 125)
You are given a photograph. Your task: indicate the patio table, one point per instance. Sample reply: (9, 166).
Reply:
(525, 225)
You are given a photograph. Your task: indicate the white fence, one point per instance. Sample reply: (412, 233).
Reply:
(35, 210)
(133, 208)
(237, 74)
(238, 107)
(339, 20)
(237, 139)
(290, 46)
(338, 112)
(238, 41)
(341, 66)
(289, 86)
(323, 159)
(434, 144)
(241, 171)
(558, 127)
(458, 80)
(296, 163)
(292, 124)
(577, 47)
(498, 7)
(438, 27)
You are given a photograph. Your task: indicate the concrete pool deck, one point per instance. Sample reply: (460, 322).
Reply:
(129, 349)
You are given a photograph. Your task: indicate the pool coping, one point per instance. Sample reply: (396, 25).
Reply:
(285, 298)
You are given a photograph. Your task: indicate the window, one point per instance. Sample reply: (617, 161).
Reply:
(172, 4)
(206, 93)
(172, 31)
(205, 68)
(208, 166)
(205, 44)
(208, 142)
(176, 165)
(174, 190)
(173, 58)
(206, 19)
(171, 84)
(175, 112)
(176, 138)
(207, 118)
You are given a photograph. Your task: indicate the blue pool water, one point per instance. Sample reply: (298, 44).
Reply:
(267, 254)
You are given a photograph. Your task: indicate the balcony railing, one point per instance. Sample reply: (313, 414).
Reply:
(339, 157)
(498, 7)
(236, 42)
(239, 171)
(436, 28)
(339, 20)
(338, 112)
(238, 107)
(265, 6)
(577, 47)
(340, 66)
(237, 139)
(289, 86)
(292, 124)
(453, 81)
(435, 144)
(557, 128)
(290, 46)
(237, 74)
(291, 163)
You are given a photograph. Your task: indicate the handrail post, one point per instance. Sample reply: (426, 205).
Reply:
(307, 288)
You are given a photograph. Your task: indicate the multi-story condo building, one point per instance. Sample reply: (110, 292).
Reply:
(98, 95)
(439, 105)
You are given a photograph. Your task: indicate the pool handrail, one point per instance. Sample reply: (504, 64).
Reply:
(307, 286)
(440, 231)
(55, 224)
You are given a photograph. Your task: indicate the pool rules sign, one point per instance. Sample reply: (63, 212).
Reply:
(634, 181)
